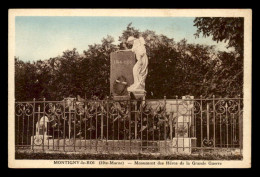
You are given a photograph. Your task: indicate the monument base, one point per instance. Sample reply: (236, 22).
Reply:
(184, 145)
(138, 94)
(121, 98)
(165, 147)
(178, 146)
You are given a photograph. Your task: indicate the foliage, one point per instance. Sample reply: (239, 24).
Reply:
(175, 68)
(230, 30)
(222, 29)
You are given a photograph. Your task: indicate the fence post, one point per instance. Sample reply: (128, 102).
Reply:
(207, 121)
(240, 126)
(129, 125)
(23, 125)
(214, 122)
(69, 131)
(16, 128)
(226, 121)
(102, 123)
(75, 121)
(177, 124)
(164, 115)
(43, 123)
(85, 122)
(32, 139)
(64, 125)
(37, 128)
(141, 117)
(170, 122)
(96, 142)
(201, 123)
(107, 105)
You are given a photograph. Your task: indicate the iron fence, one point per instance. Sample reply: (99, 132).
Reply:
(181, 125)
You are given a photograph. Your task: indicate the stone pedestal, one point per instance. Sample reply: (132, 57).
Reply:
(183, 145)
(138, 95)
(121, 98)
(183, 139)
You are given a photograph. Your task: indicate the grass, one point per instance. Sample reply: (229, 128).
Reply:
(73, 156)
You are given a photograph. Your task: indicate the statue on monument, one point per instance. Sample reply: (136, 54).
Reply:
(140, 68)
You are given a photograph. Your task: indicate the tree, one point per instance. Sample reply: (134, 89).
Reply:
(130, 31)
(231, 64)
(175, 68)
(96, 68)
(222, 29)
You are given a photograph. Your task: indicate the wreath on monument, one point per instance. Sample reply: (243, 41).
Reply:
(182, 130)
(120, 85)
(38, 140)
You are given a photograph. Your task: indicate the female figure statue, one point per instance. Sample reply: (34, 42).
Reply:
(140, 69)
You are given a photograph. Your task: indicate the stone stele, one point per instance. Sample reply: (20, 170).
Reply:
(121, 73)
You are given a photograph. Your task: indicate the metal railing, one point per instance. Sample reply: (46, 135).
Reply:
(168, 126)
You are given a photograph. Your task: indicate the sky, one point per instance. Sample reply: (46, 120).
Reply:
(43, 37)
